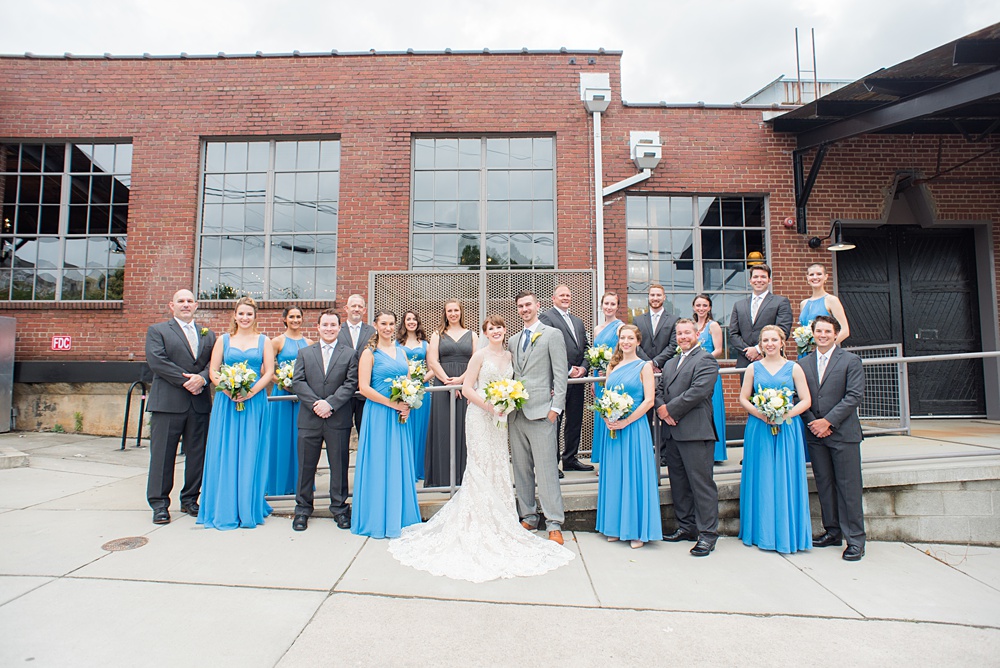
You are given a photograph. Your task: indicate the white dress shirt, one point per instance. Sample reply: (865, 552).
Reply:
(191, 333)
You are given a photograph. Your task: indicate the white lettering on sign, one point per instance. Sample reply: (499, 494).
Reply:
(62, 343)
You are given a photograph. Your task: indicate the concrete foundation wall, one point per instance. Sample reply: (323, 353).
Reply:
(42, 406)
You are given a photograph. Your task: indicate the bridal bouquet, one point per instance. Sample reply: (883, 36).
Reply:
(237, 379)
(804, 340)
(775, 403)
(407, 390)
(598, 357)
(614, 404)
(507, 395)
(283, 375)
(418, 369)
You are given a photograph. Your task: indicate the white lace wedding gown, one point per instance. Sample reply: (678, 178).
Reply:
(477, 536)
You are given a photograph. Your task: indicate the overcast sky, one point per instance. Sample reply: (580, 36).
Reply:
(716, 51)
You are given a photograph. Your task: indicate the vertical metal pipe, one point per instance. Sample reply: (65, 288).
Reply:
(798, 71)
(599, 203)
(451, 444)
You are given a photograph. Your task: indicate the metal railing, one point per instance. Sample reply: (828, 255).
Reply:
(128, 407)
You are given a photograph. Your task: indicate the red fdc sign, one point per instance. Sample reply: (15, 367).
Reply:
(62, 342)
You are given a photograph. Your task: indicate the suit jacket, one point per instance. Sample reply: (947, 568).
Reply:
(657, 346)
(337, 384)
(574, 349)
(367, 332)
(687, 394)
(744, 331)
(543, 370)
(168, 355)
(837, 398)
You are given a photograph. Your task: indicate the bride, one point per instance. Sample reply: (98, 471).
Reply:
(476, 536)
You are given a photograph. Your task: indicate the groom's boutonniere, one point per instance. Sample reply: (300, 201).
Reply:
(534, 337)
(204, 331)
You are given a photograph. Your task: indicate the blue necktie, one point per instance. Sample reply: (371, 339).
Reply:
(527, 338)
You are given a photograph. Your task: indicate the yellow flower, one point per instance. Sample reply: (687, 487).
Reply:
(534, 337)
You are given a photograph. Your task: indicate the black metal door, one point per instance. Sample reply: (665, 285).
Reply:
(918, 287)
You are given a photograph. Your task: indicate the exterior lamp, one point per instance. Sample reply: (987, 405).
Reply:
(838, 245)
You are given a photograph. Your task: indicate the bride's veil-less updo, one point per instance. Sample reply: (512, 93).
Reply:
(496, 320)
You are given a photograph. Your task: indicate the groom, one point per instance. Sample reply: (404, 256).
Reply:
(539, 354)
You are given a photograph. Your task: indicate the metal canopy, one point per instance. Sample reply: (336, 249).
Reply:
(953, 89)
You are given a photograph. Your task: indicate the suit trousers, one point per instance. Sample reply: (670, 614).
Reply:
(692, 486)
(837, 471)
(358, 409)
(338, 450)
(532, 443)
(165, 430)
(572, 418)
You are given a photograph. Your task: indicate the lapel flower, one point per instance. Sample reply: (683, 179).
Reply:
(204, 331)
(534, 337)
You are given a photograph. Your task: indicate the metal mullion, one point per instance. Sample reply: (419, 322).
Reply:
(699, 261)
(199, 219)
(483, 205)
(64, 193)
(269, 217)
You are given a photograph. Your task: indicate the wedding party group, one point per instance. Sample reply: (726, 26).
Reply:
(513, 401)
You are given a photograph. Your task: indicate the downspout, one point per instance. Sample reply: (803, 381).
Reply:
(599, 203)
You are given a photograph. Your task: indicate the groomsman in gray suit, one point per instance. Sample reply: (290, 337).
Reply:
(356, 336)
(684, 403)
(178, 353)
(837, 384)
(750, 315)
(539, 354)
(325, 380)
(575, 337)
(656, 327)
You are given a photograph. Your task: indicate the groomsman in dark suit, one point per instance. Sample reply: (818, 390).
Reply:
(684, 403)
(657, 328)
(356, 335)
(837, 384)
(750, 315)
(178, 353)
(325, 380)
(575, 334)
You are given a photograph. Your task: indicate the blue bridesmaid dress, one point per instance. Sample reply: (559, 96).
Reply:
(608, 336)
(718, 401)
(774, 494)
(385, 494)
(232, 487)
(283, 432)
(628, 499)
(420, 418)
(811, 309)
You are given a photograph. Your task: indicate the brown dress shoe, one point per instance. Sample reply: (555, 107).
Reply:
(527, 526)
(556, 536)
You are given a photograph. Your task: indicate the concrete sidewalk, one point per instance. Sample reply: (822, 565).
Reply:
(269, 596)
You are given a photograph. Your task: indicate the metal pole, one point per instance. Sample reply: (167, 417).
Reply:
(451, 444)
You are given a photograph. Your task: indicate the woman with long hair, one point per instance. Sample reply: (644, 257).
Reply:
(448, 356)
(385, 495)
(710, 338)
(410, 334)
(232, 488)
(822, 303)
(605, 334)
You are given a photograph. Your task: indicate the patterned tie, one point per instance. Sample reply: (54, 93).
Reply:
(327, 355)
(355, 334)
(755, 306)
(654, 319)
(569, 323)
(192, 337)
(821, 361)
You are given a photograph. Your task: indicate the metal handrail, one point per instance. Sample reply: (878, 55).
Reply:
(128, 407)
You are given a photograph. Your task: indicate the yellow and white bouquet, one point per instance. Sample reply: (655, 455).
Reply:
(507, 395)
(613, 404)
(804, 341)
(237, 379)
(283, 375)
(598, 357)
(418, 369)
(407, 390)
(775, 403)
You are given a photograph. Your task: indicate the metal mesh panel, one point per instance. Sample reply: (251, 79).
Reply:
(883, 408)
(482, 294)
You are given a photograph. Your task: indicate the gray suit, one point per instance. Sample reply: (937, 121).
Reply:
(744, 331)
(658, 346)
(543, 370)
(367, 332)
(175, 411)
(689, 447)
(836, 459)
(337, 386)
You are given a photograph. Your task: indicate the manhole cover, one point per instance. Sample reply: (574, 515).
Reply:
(129, 543)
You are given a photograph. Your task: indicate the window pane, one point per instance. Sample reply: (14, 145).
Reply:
(25, 253)
(305, 217)
(638, 243)
(232, 252)
(4, 283)
(521, 253)
(284, 188)
(732, 245)
(662, 273)
(446, 154)
(446, 216)
(423, 250)
(732, 212)
(635, 211)
(423, 153)
(497, 151)
(48, 253)
(48, 220)
(23, 284)
(497, 185)
(72, 284)
(446, 185)
(520, 185)
(496, 250)
(303, 283)
(210, 249)
(711, 244)
(423, 185)
(253, 251)
(104, 158)
(215, 157)
(544, 249)
(306, 186)
(520, 153)
(79, 158)
(468, 153)
(76, 253)
(235, 188)
(468, 185)
(468, 250)
(445, 250)
(284, 156)
(253, 282)
(497, 216)
(326, 255)
(638, 276)
(468, 215)
(97, 252)
(236, 156)
(326, 217)
(329, 186)
(100, 189)
(51, 189)
(211, 218)
(55, 157)
(542, 185)
(542, 216)
(710, 210)
(329, 156)
(542, 152)
(284, 217)
(423, 215)
(281, 251)
(94, 284)
(214, 188)
(281, 283)
(232, 218)
(45, 286)
(120, 192)
(254, 220)
(30, 186)
(27, 220)
(520, 216)
(681, 212)
(123, 159)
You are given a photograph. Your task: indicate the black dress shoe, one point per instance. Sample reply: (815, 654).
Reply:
(191, 509)
(828, 540)
(576, 465)
(343, 520)
(561, 474)
(702, 549)
(854, 553)
(680, 535)
(161, 516)
(300, 523)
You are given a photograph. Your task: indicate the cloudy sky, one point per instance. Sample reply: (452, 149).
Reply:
(716, 51)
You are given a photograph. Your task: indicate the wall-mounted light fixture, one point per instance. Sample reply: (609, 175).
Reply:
(838, 241)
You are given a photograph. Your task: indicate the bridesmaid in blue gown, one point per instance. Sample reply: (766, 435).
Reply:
(822, 303)
(385, 493)
(710, 338)
(605, 334)
(232, 488)
(412, 337)
(283, 432)
(628, 499)
(774, 494)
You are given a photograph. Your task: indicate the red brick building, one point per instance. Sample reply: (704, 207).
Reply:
(291, 177)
